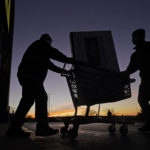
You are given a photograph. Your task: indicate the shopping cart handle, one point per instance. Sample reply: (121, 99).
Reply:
(70, 72)
(132, 80)
(65, 75)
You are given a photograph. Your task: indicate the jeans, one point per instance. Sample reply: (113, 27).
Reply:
(143, 99)
(32, 91)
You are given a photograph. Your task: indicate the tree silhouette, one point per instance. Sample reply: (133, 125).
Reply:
(92, 112)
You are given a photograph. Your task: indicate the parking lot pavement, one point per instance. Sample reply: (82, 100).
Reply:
(95, 136)
(31, 143)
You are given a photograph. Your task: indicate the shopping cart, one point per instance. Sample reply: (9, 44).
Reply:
(90, 85)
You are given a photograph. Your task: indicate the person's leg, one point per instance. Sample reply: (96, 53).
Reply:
(143, 99)
(24, 106)
(41, 106)
(42, 127)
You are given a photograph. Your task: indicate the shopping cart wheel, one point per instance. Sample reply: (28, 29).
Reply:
(72, 134)
(123, 129)
(63, 131)
(112, 129)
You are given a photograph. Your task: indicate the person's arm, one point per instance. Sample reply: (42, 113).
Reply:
(57, 55)
(132, 67)
(55, 68)
(133, 64)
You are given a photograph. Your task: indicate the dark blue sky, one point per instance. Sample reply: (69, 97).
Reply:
(59, 18)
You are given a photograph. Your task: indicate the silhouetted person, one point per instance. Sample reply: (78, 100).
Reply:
(109, 114)
(140, 60)
(31, 74)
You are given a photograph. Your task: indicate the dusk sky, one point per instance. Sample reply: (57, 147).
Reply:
(59, 18)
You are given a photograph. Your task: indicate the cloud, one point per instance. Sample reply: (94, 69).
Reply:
(64, 106)
(67, 112)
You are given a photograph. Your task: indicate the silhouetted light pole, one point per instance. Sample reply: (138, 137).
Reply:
(98, 110)
(49, 103)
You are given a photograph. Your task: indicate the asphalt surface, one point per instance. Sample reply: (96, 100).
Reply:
(96, 136)
(31, 143)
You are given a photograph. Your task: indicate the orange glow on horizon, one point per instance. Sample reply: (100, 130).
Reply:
(70, 112)
(30, 115)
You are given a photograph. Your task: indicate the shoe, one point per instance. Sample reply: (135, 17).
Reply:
(144, 128)
(17, 133)
(46, 131)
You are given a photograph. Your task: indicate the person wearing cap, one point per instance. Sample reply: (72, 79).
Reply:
(140, 61)
(32, 72)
